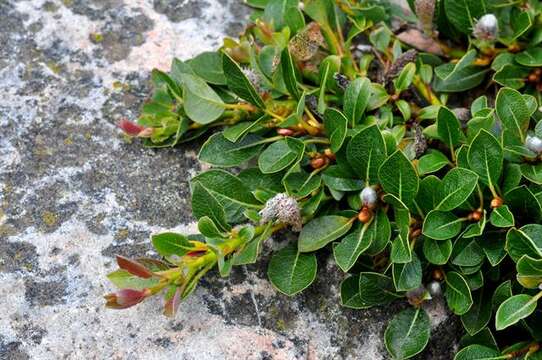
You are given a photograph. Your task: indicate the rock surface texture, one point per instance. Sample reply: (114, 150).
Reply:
(74, 192)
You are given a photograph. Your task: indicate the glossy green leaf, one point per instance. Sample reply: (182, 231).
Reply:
(529, 272)
(280, 154)
(201, 102)
(456, 187)
(207, 228)
(463, 14)
(350, 296)
(290, 271)
(478, 352)
(321, 231)
(524, 241)
(289, 73)
(513, 112)
(219, 151)
(485, 158)
(478, 316)
(514, 309)
(169, 243)
(338, 178)
(407, 333)
(448, 127)
(204, 203)
(431, 162)
(502, 217)
(398, 177)
(441, 225)
(376, 289)
(530, 57)
(457, 293)
(532, 172)
(365, 152)
(239, 83)
(437, 252)
(405, 77)
(356, 99)
(208, 66)
(407, 276)
(335, 124)
(225, 185)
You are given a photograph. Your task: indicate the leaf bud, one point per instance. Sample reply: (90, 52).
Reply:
(486, 28)
(130, 128)
(318, 162)
(365, 215)
(496, 202)
(285, 132)
(126, 298)
(133, 267)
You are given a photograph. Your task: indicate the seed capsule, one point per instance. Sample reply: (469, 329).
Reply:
(496, 202)
(285, 132)
(318, 162)
(438, 275)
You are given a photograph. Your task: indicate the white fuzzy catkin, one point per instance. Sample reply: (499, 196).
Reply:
(368, 197)
(486, 28)
(283, 209)
(534, 143)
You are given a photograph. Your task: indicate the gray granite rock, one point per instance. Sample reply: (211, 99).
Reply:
(74, 192)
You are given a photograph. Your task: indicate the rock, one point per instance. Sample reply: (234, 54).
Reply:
(74, 192)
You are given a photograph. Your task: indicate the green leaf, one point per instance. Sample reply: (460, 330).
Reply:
(289, 73)
(204, 203)
(456, 187)
(321, 231)
(239, 83)
(405, 77)
(350, 296)
(201, 102)
(280, 154)
(208, 65)
(493, 245)
(250, 252)
(467, 252)
(428, 197)
(524, 241)
(290, 271)
(381, 231)
(463, 14)
(502, 217)
(169, 243)
(353, 245)
(376, 289)
(478, 352)
(432, 161)
(440, 225)
(365, 152)
(532, 172)
(485, 158)
(457, 293)
(356, 99)
(448, 128)
(236, 132)
(407, 333)
(459, 77)
(502, 292)
(226, 186)
(529, 272)
(340, 179)
(281, 13)
(398, 177)
(531, 57)
(437, 252)
(335, 124)
(513, 112)
(219, 151)
(407, 276)
(478, 316)
(523, 203)
(301, 184)
(514, 309)
(511, 76)
(207, 228)
(122, 279)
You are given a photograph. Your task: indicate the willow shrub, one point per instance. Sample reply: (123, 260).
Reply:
(408, 146)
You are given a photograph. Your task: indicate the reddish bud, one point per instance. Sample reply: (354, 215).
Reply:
(196, 253)
(285, 132)
(496, 202)
(170, 309)
(365, 215)
(125, 298)
(132, 129)
(438, 275)
(318, 162)
(133, 267)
